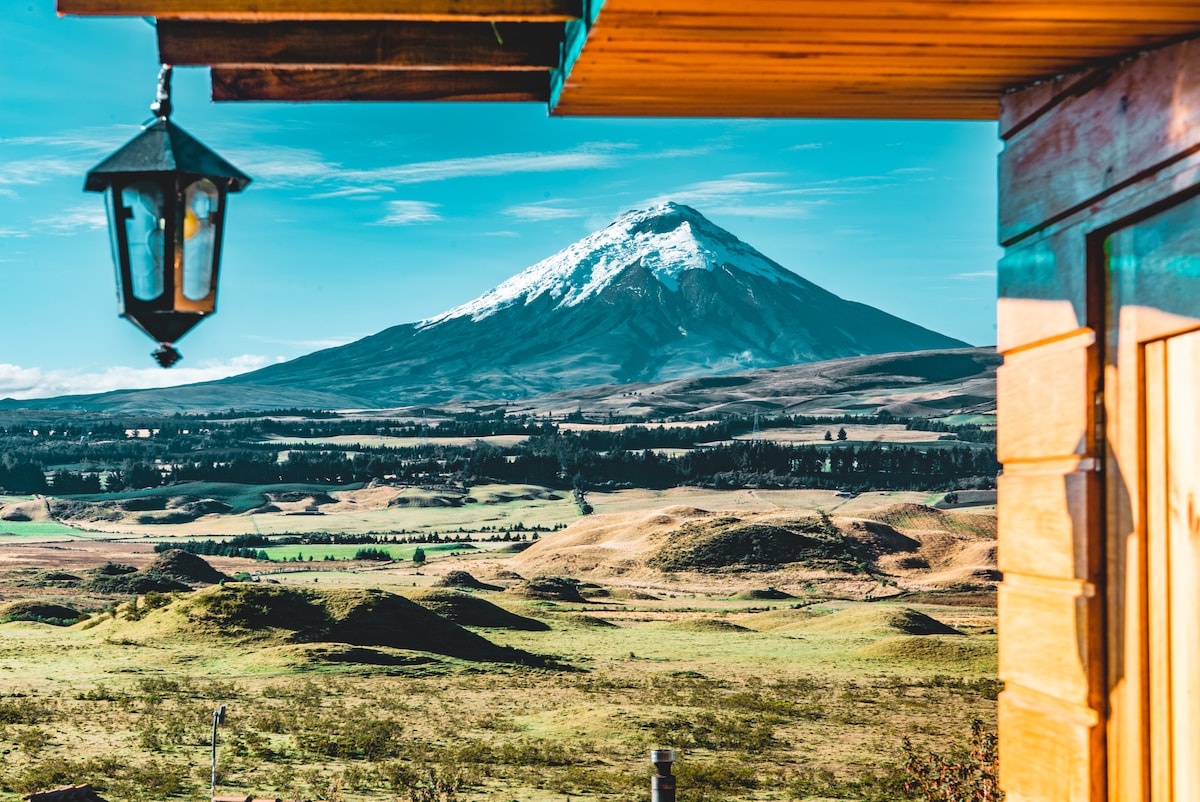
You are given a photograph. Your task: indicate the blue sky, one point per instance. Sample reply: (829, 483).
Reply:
(363, 216)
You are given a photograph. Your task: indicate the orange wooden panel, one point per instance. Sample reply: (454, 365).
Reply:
(1044, 401)
(1060, 644)
(1047, 526)
(1049, 752)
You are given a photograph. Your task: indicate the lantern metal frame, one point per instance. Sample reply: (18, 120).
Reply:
(159, 167)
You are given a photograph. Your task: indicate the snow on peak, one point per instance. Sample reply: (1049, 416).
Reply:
(666, 239)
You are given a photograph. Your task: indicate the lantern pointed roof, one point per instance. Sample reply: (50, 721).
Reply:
(164, 147)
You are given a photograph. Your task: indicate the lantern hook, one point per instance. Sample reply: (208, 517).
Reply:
(162, 99)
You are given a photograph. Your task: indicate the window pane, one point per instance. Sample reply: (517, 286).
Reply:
(145, 229)
(199, 239)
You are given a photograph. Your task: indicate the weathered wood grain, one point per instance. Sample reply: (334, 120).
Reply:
(1135, 121)
(1044, 401)
(1052, 656)
(379, 85)
(1049, 750)
(267, 10)
(1048, 525)
(411, 45)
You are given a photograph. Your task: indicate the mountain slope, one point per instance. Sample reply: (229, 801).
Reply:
(659, 294)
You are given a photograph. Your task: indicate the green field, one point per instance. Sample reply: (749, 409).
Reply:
(39, 529)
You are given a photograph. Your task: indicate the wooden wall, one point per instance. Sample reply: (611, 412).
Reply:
(1085, 156)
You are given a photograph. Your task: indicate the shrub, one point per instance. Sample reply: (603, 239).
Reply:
(973, 776)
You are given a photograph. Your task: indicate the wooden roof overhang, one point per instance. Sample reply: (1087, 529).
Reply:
(926, 59)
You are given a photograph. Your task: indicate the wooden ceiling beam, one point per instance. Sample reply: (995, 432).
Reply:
(380, 45)
(317, 10)
(297, 85)
(1064, 11)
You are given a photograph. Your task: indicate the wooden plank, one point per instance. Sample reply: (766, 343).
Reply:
(1181, 493)
(1159, 573)
(1137, 120)
(1049, 752)
(884, 107)
(1047, 526)
(1059, 650)
(278, 10)
(1013, 28)
(379, 85)
(1042, 284)
(996, 69)
(409, 45)
(927, 9)
(1044, 401)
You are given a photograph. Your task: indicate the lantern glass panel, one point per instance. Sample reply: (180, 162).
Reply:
(145, 228)
(200, 218)
(114, 223)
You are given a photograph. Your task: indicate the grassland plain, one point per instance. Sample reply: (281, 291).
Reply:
(799, 698)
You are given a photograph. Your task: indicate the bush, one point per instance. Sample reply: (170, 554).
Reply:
(973, 776)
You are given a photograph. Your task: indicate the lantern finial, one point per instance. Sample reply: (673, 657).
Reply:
(162, 98)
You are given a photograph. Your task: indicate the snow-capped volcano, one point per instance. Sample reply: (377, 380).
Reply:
(666, 240)
(661, 293)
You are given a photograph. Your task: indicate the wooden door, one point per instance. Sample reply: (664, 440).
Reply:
(1152, 398)
(1172, 369)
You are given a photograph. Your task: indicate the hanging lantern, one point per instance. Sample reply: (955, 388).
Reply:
(166, 197)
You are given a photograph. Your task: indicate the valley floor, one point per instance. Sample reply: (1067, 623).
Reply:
(802, 696)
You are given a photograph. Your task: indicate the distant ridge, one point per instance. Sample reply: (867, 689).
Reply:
(660, 294)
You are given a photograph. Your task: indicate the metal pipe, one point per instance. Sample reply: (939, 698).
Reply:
(662, 784)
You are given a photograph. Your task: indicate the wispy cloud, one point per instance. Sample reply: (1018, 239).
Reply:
(409, 212)
(989, 274)
(39, 170)
(808, 146)
(14, 233)
(543, 210)
(22, 383)
(494, 165)
(89, 217)
(353, 193)
(743, 195)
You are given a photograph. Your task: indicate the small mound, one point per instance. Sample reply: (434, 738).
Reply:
(551, 588)
(932, 649)
(729, 542)
(305, 655)
(472, 611)
(583, 621)
(17, 516)
(420, 501)
(462, 579)
(876, 620)
(144, 503)
(505, 574)
(114, 569)
(58, 615)
(778, 619)
(768, 593)
(136, 583)
(185, 567)
(357, 617)
(706, 625)
(632, 594)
